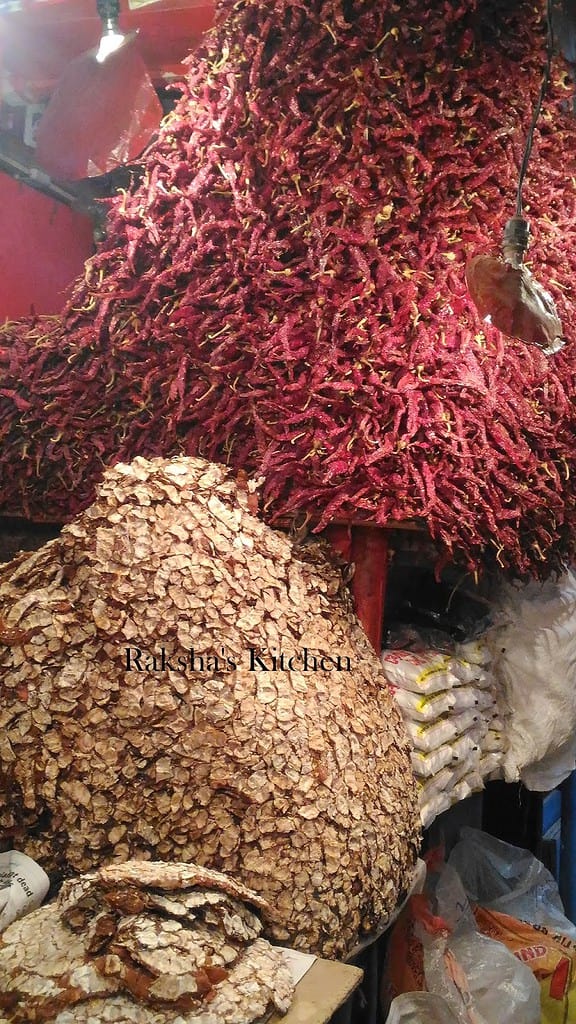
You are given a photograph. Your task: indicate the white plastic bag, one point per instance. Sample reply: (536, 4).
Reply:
(467, 746)
(493, 742)
(420, 1008)
(430, 809)
(464, 750)
(441, 782)
(471, 783)
(509, 879)
(466, 767)
(467, 671)
(552, 770)
(471, 697)
(490, 764)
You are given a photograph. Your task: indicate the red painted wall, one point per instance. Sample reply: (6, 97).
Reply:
(43, 246)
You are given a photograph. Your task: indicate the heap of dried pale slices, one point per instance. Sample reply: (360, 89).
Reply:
(143, 943)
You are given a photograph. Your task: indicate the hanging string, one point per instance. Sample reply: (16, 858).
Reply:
(537, 108)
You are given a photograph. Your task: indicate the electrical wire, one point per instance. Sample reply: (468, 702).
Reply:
(537, 107)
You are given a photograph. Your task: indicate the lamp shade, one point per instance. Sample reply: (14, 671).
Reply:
(514, 302)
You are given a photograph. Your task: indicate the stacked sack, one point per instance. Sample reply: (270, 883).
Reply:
(452, 716)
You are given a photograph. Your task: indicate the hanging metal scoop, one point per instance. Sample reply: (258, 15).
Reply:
(507, 295)
(503, 290)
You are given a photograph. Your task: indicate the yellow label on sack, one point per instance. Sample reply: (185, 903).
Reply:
(437, 666)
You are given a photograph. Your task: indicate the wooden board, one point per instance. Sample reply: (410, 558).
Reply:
(322, 990)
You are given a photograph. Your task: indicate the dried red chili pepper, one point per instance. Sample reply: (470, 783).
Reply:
(284, 287)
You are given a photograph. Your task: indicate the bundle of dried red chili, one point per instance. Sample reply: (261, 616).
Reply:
(284, 290)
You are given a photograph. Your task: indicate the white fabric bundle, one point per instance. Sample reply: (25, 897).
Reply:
(534, 652)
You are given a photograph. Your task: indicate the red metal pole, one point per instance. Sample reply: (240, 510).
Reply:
(370, 557)
(340, 537)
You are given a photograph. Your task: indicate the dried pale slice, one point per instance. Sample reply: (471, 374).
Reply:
(255, 982)
(224, 911)
(150, 947)
(169, 877)
(44, 968)
(236, 921)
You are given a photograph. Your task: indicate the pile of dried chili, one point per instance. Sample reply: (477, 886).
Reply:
(284, 289)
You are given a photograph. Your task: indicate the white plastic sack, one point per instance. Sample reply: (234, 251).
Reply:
(535, 661)
(430, 809)
(464, 750)
(509, 879)
(426, 765)
(471, 783)
(466, 767)
(424, 709)
(490, 764)
(420, 1008)
(467, 671)
(423, 672)
(475, 651)
(493, 742)
(442, 782)
(429, 735)
(467, 746)
(471, 697)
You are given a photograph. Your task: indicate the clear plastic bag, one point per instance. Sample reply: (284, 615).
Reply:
(435, 945)
(480, 978)
(420, 1008)
(100, 116)
(508, 879)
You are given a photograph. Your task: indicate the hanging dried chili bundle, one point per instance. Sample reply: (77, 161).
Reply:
(284, 290)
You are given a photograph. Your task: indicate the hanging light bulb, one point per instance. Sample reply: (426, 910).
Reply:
(112, 35)
(503, 290)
